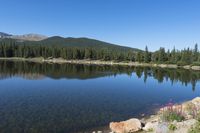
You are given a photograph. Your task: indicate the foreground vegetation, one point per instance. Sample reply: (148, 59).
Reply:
(83, 48)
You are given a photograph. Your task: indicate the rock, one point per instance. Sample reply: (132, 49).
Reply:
(174, 122)
(131, 125)
(196, 102)
(183, 127)
(153, 118)
(161, 128)
(150, 126)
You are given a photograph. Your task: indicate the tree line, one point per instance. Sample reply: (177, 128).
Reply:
(180, 57)
(12, 48)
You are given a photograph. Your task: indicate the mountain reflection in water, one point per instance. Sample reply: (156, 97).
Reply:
(31, 70)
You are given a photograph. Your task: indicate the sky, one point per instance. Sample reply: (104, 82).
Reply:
(133, 23)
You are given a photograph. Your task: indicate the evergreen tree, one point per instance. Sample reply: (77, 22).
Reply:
(147, 57)
(162, 55)
(195, 53)
(139, 57)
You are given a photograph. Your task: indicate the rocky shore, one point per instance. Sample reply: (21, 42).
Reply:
(173, 118)
(100, 62)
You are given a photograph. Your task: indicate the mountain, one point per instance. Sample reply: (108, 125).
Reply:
(36, 39)
(4, 35)
(26, 37)
(66, 48)
(81, 43)
(29, 37)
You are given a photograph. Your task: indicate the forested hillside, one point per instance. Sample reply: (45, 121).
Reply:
(67, 48)
(84, 48)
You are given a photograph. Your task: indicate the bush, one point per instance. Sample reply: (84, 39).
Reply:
(171, 116)
(171, 113)
(169, 62)
(172, 127)
(150, 130)
(181, 63)
(196, 64)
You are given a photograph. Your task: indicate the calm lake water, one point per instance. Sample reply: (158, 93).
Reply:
(53, 98)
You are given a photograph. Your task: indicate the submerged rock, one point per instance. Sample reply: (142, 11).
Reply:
(129, 126)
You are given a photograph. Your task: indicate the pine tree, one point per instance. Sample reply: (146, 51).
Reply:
(146, 55)
(195, 53)
(162, 55)
(139, 56)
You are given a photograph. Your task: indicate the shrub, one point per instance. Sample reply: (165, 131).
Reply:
(150, 130)
(169, 62)
(171, 116)
(181, 63)
(196, 64)
(172, 127)
(171, 113)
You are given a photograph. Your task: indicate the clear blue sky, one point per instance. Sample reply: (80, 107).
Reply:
(133, 23)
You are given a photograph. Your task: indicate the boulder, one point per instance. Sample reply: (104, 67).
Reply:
(161, 128)
(150, 126)
(196, 102)
(183, 127)
(129, 126)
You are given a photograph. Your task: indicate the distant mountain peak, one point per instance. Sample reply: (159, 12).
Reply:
(25, 37)
(30, 37)
(4, 35)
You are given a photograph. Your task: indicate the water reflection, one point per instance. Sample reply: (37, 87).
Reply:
(31, 70)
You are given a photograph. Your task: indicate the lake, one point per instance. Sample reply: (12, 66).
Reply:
(55, 98)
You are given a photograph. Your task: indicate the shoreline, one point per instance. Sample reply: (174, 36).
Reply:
(99, 62)
(174, 118)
